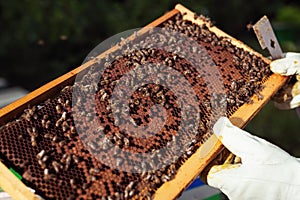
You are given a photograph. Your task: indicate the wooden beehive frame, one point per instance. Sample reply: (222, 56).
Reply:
(191, 168)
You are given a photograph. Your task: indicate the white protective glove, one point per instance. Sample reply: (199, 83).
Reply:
(289, 65)
(265, 172)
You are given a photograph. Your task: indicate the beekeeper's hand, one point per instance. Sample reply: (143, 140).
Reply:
(289, 97)
(265, 171)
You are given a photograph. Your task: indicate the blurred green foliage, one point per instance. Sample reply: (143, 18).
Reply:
(43, 39)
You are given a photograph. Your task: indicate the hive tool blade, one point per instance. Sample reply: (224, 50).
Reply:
(266, 37)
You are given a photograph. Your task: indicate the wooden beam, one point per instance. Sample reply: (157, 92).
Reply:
(13, 186)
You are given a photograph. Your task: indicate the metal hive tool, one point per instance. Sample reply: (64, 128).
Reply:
(44, 145)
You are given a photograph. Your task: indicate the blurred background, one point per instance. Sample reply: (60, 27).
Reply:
(43, 39)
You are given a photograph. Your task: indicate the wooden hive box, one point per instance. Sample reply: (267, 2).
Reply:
(188, 170)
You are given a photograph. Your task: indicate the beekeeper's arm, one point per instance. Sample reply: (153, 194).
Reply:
(288, 98)
(265, 171)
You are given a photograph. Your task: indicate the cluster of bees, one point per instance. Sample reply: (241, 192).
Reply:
(49, 146)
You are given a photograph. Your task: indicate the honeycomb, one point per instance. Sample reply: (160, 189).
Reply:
(55, 145)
